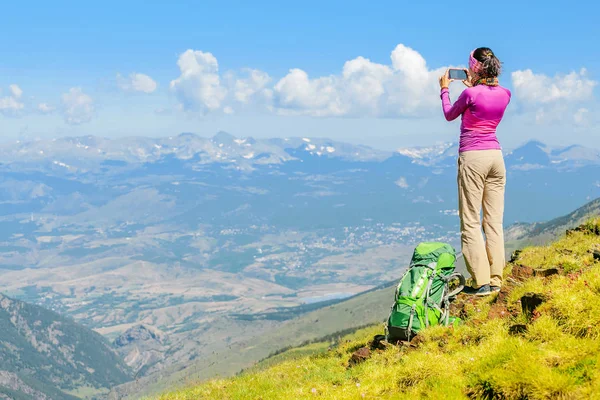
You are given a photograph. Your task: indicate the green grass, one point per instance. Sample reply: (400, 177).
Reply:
(558, 357)
(88, 392)
(291, 354)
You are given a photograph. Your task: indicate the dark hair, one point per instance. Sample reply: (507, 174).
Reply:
(491, 67)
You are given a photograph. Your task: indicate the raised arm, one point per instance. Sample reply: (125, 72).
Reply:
(452, 111)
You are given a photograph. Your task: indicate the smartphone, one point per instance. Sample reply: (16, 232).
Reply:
(457, 74)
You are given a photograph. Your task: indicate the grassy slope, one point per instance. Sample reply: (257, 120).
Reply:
(557, 357)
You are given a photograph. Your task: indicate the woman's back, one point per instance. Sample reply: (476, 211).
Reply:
(485, 106)
(488, 102)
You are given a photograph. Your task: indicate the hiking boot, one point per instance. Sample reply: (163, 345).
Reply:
(494, 289)
(480, 291)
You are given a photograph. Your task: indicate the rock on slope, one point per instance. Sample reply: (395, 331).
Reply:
(140, 346)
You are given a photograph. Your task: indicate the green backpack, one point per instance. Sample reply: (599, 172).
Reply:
(423, 295)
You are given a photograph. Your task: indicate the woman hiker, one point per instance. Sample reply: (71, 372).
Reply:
(481, 170)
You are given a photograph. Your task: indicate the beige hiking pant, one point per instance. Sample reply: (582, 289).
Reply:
(481, 182)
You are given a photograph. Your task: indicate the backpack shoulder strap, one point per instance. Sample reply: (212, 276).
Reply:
(461, 283)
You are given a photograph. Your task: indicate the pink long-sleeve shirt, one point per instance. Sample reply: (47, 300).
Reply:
(482, 108)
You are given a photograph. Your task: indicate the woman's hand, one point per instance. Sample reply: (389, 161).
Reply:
(444, 81)
(469, 80)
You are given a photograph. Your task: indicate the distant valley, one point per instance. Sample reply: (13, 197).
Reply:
(177, 248)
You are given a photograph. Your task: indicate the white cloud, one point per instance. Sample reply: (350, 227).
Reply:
(402, 183)
(542, 89)
(45, 108)
(297, 93)
(540, 115)
(414, 89)
(163, 111)
(11, 105)
(557, 99)
(16, 91)
(78, 107)
(136, 82)
(364, 88)
(580, 116)
(247, 89)
(404, 87)
(363, 82)
(199, 88)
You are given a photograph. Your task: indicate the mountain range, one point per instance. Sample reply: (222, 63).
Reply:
(63, 175)
(84, 154)
(81, 155)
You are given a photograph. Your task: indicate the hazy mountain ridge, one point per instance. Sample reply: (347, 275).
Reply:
(84, 154)
(535, 154)
(430, 155)
(530, 155)
(90, 153)
(540, 231)
(42, 353)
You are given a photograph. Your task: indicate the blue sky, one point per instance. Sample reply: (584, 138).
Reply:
(267, 68)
